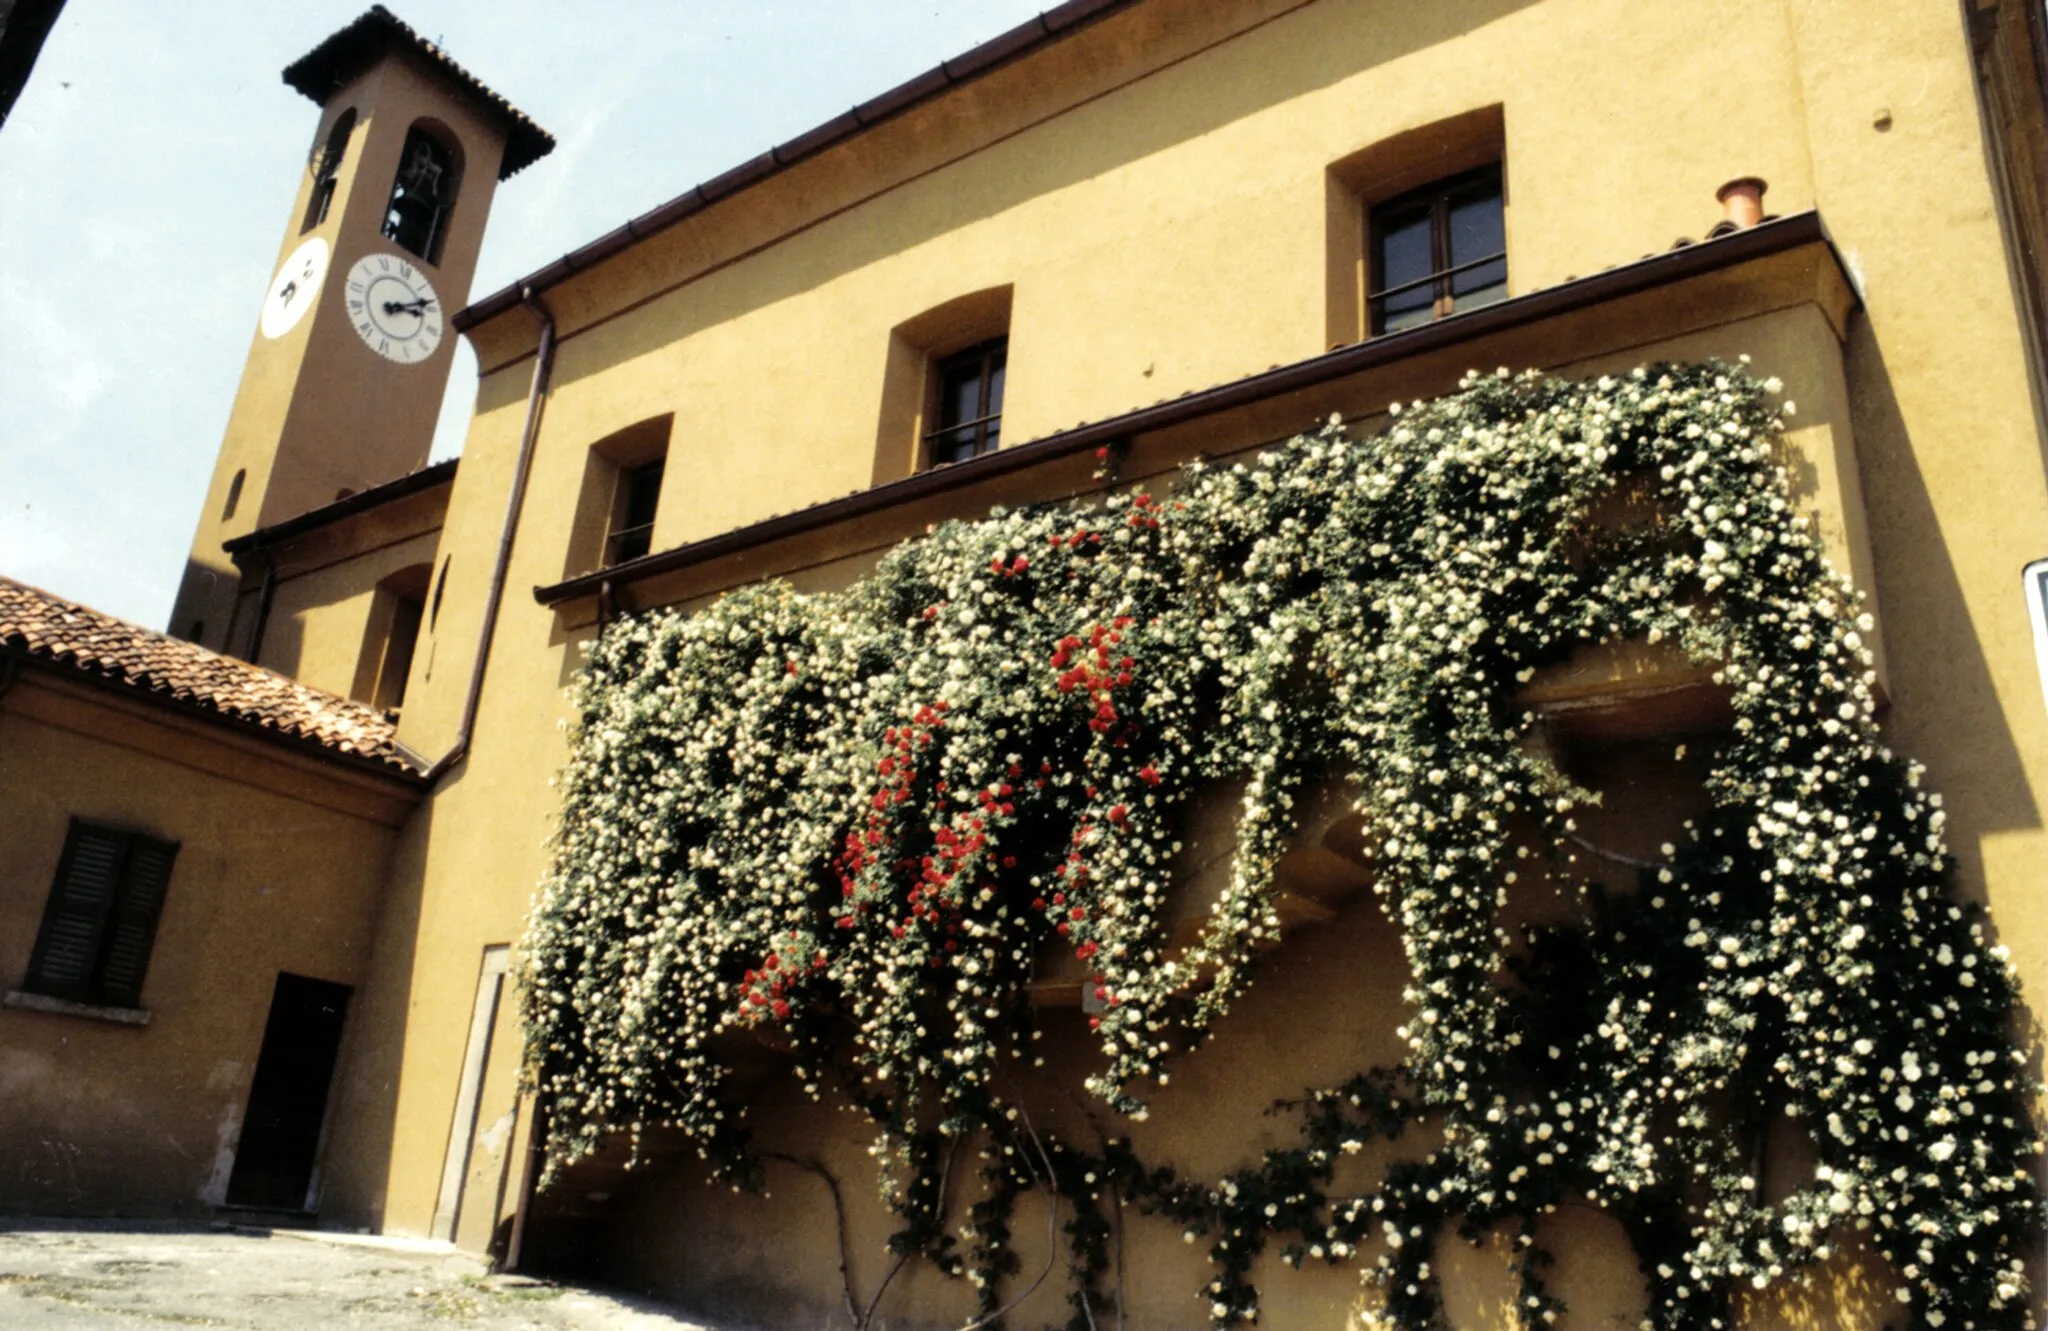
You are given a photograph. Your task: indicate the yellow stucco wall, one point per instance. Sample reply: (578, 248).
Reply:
(280, 868)
(1154, 192)
(325, 587)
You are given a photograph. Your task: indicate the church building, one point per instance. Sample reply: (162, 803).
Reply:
(273, 880)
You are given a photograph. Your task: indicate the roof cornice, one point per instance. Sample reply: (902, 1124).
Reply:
(347, 52)
(1032, 35)
(426, 478)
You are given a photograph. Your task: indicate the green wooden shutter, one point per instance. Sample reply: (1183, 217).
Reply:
(74, 923)
(131, 926)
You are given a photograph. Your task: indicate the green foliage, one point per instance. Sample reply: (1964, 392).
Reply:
(855, 820)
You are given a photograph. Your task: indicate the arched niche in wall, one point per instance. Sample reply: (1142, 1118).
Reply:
(327, 169)
(390, 636)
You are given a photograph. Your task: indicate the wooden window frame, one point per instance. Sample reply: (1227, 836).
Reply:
(623, 543)
(1439, 196)
(987, 357)
(133, 902)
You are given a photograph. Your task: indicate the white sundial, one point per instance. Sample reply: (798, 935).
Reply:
(294, 289)
(393, 308)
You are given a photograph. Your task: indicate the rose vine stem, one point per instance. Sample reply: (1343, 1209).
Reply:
(839, 1220)
(1052, 1226)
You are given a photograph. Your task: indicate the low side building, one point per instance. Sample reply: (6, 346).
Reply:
(192, 854)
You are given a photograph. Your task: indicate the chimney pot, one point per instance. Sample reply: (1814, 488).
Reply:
(1742, 203)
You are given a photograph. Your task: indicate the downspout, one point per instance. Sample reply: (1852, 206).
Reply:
(263, 600)
(543, 367)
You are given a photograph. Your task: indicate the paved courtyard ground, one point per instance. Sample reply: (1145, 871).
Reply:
(58, 1275)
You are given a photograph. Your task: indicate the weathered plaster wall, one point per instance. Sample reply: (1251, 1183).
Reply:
(280, 868)
(326, 586)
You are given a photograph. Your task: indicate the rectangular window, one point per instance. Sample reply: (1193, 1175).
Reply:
(1438, 250)
(634, 501)
(969, 405)
(101, 919)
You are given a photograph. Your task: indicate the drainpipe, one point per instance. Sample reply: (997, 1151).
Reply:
(543, 367)
(263, 600)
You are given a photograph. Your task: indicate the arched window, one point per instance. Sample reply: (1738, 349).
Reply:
(326, 166)
(389, 638)
(423, 194)
(234, 502)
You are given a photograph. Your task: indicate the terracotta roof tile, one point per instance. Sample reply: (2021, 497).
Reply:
(67, 634)
(323, 70)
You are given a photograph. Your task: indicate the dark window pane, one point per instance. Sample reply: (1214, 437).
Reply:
(1476, 229)
(638, 499)
(1438, 250)
(1482, 286)
(1403, 256)
(970, 403)
(1478, 232)
(1401, 264)
(643, 493)
(953, 445)
(963, 396)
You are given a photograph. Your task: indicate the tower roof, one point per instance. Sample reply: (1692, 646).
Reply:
(323, 70)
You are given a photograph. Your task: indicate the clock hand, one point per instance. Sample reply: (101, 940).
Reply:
(413, 307)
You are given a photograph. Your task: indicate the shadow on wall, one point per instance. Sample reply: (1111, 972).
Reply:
(1941, 684)
(355, 1163)
(1153, 115)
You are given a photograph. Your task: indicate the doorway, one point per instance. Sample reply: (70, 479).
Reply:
(288, 1095)
(484, 1133)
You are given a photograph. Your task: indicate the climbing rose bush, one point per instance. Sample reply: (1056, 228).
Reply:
(853, 823)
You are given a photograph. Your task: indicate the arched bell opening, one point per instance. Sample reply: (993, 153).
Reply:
(423, 192)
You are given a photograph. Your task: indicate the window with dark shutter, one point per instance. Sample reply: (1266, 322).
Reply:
(101, 919)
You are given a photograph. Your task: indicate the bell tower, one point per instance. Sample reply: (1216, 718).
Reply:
(353, 347)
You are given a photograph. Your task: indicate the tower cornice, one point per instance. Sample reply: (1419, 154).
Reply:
(325, 69)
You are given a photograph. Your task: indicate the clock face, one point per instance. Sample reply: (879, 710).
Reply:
(393, 308)
(293, 290)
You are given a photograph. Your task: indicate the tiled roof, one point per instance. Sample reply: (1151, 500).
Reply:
(67, 634)
(325, 68)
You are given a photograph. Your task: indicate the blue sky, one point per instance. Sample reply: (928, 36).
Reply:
(146, 174)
